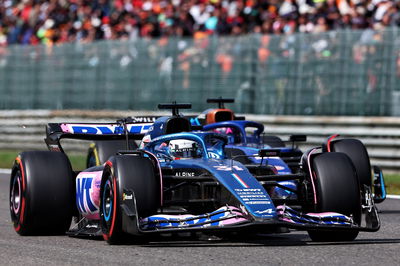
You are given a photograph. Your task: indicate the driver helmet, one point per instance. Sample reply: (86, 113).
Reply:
(184, 149)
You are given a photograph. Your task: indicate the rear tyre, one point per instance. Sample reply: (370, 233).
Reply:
(100, 151)
(337, 190)
(126, 172)
(41, 193)
(358, 154)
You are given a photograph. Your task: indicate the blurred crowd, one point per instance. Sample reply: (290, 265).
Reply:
(59, 21)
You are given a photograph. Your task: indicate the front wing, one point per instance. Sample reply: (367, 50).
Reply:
(233, 218)
(230, 218)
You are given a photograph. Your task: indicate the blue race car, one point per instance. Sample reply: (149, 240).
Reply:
(181, 181)
(246, 137)
(243, 133)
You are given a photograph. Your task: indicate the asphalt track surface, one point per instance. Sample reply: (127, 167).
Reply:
(295, 248)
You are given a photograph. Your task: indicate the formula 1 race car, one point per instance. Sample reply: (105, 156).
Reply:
(182, 182)
(246, 137)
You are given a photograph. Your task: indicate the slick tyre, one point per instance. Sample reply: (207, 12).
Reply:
(130, 172)
(100, 151)
(358, 154)
(42, 193)
(337, 190)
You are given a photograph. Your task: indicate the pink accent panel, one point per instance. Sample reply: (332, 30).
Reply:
(229, 131)
(172, 216)
(228, 211)
(311, 175)
(325, 214)
(95, 195)
(64, 128)
(233, 221)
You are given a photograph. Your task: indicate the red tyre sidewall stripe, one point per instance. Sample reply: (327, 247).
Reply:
(115, 206)
(22, 213)
(330, 140)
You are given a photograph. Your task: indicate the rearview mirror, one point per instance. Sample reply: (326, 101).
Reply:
(297, 138)
(269, 152)
(379, 185)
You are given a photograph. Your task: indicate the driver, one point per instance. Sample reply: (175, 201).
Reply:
(184, 149)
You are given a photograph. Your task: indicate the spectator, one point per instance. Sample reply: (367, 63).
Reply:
(58, 21)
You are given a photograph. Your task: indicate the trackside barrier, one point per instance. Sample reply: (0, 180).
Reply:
(24, 130)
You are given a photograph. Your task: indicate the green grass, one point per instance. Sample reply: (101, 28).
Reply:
(78, 162)
(7, 159)
(392, 182)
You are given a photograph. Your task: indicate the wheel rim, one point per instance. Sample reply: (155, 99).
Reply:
(16, 194)
(107, 200)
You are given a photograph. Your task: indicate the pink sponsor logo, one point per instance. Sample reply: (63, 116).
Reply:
(88, 194)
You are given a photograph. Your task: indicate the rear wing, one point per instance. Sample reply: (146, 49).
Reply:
(127, 128)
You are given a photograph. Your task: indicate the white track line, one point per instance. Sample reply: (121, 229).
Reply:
(8, 171)
(393, 196)
(5, 171)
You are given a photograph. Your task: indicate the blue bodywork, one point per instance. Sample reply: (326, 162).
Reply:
(237, 138)
(254, 204)
(249, 144)
(233, 175)
(238, 128)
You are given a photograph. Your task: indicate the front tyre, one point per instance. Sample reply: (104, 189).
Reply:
(358, 154)
(338, 191)
(129, 172)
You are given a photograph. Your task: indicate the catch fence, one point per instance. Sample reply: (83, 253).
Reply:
(335, 73)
